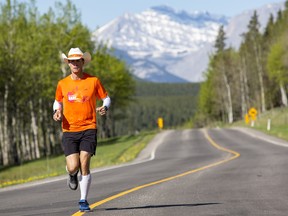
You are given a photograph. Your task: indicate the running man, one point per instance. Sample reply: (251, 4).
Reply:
(75, 106)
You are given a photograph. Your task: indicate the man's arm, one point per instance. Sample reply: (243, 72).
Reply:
(57, 110)
(104, 108)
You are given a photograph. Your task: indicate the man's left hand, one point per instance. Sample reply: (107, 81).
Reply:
(101, 110)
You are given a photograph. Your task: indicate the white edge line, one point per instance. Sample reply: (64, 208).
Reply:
(261, 138)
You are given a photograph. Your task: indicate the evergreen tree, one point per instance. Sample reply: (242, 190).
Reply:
(223, 75)
(220, 40)
(255, 61)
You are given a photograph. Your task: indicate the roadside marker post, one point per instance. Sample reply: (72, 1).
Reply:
(160, 123)
(268, 124)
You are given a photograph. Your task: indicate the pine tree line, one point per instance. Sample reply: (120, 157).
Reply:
(176, 103)
(253, 76)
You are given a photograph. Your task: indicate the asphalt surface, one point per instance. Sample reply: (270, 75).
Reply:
(181, 172)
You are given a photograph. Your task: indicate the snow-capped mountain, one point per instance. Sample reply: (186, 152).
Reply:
(164, 45)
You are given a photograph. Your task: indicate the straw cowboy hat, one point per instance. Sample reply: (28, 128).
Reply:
(75, 54)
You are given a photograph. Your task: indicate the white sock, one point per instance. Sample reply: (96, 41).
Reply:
(84, 182)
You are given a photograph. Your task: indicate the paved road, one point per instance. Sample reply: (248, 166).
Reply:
(189, 172)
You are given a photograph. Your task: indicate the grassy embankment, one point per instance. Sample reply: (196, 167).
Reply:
(278, 126)
(109, 152)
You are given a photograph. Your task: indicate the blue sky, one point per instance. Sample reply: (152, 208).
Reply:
(96, 13)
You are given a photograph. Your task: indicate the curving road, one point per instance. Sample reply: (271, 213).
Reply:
(181, 172)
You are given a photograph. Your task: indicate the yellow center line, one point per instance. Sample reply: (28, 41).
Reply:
(212, 142)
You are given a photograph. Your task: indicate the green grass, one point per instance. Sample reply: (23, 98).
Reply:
(279, 123)
(109, 152)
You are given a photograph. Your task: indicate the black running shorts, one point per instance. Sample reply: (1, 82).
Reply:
(74, 142)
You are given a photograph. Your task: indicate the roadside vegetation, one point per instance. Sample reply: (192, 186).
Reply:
(253, 75)
(277, 127)
(110, 152)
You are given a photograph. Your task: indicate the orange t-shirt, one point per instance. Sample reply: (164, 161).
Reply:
(79, 102)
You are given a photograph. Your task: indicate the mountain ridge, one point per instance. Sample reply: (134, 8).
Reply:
(165, 45)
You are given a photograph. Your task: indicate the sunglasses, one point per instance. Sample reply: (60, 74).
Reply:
(75, 61)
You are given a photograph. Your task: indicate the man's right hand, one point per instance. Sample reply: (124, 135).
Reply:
(57, 115)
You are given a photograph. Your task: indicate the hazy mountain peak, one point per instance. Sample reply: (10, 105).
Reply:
(163, 9)
(189, 18)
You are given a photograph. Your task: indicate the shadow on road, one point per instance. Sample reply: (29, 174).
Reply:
(160, 206)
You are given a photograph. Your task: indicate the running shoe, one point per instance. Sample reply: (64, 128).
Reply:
(72, 181)
(84, 205)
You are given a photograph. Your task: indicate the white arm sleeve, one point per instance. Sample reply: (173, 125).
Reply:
(107, 101)
(57, 105)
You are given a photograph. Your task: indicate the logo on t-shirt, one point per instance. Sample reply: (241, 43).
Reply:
(77, 96)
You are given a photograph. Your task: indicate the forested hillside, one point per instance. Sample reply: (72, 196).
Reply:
(256, 75)
(175, 103)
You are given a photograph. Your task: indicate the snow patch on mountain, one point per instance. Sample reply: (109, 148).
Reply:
(165, 45)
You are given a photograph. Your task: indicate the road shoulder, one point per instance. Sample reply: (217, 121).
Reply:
(263, 136)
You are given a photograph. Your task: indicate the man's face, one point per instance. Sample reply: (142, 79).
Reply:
(76, 65)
